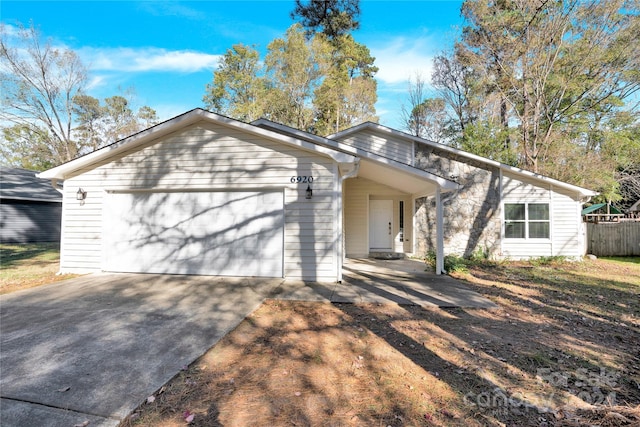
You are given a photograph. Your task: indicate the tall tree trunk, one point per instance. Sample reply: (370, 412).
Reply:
(504, 120)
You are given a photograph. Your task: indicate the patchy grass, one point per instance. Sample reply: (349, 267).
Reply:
(562, 350)
(28, 265)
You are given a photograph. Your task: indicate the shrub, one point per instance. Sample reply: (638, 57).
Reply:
(452, 263)
(455, 264)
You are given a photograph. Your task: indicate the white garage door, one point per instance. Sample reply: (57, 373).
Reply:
(209, 233)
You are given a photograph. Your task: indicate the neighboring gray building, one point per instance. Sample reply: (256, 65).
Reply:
(30, 208)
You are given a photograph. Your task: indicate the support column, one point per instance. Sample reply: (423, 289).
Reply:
(439, 234)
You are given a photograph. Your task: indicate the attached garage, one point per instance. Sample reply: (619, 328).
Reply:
(205, 194)
(226, 233)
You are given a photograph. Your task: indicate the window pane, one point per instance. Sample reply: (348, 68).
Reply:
(514, 230)
(514, 212)
(538, 212)
(538, 230)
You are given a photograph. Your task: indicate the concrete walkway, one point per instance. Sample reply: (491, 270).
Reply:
(402, 281)
(91, 349)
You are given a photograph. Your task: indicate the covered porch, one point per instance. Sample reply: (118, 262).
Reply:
(379, 210)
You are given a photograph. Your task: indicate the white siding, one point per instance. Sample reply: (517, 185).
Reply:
(357, 193)
(565, 222)
(383, 145)
(568, 237)
(213, 157)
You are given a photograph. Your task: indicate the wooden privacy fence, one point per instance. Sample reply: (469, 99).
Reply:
(613, 239)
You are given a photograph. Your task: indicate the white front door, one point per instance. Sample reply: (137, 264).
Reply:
(380, 225)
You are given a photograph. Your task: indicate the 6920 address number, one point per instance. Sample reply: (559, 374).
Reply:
(301, 179)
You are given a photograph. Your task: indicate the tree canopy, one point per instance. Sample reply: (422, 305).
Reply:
(547, 86)
(46, 117)
(310, 83)
(333, 18)
(238, 88)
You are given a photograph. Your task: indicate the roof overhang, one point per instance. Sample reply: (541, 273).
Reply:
(180, 122)
(403, 181)
(403, 178)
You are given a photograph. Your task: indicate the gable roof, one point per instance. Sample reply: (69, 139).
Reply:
(372, 161)
(179, 122)
(380, 129)
(348, 158)
(22, 184)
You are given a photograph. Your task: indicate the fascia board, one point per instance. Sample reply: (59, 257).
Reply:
(338, 156)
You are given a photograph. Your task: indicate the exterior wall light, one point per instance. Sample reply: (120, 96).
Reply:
(309, 192)
(81, 194)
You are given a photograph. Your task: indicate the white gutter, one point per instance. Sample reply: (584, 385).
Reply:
(56, 186)
(31, 199)
(445, 184)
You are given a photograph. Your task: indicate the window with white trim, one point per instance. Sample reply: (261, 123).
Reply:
(526, 221)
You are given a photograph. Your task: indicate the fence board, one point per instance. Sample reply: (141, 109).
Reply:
(614, 239)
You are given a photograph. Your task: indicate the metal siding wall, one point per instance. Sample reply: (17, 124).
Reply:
(29, 222)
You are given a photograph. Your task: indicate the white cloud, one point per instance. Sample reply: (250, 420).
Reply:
(401, 58)
(10, 30)
(168, 111)
(96, 82)
(167, 8)
(147, 60)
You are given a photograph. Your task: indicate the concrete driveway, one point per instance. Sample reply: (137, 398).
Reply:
(93, 348)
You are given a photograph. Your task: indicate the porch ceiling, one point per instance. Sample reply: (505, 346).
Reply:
(407, 182)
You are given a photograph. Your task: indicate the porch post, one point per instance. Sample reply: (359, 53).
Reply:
(439, 234)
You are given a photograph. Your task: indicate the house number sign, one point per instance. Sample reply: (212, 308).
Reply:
(302, 179)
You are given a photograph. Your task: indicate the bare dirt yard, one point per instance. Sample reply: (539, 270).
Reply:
(562, 349)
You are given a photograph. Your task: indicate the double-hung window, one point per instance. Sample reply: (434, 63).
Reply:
(526, 221)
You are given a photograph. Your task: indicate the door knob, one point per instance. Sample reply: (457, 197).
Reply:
(389, 228)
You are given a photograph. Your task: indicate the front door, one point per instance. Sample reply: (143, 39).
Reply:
(380, 225)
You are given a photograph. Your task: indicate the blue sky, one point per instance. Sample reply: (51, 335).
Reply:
(168, 50)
